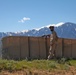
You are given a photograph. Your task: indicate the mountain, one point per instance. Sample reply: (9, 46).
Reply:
(64, 30)
(67, 30)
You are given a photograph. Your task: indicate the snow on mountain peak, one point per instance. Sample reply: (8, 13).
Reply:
(37, 29)
(59, 24)
(21, 31)
(25, 31)
(55, 25)
(64, 30)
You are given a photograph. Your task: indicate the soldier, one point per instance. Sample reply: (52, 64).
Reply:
(53, 43)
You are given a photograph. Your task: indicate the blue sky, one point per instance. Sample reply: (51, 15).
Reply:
(18, 15)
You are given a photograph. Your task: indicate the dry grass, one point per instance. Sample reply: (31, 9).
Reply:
(38, 67)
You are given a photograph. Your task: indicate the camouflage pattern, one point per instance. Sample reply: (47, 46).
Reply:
(53, 44)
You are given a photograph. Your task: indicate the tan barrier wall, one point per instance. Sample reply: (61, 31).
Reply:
(67, 48)
(20, 47)
(73, 49)
(15, 47)
(59, 48)
(24, 50)
(34, 47)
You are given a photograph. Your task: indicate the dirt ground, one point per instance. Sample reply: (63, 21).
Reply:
(71, 71)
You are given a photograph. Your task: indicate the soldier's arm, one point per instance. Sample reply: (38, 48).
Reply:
(46, 36)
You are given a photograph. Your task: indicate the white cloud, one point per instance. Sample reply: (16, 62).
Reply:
(24, 19)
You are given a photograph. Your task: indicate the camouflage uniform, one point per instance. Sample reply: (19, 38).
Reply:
(53, 44)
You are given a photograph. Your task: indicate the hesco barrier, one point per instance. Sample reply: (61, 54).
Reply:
(21, 47)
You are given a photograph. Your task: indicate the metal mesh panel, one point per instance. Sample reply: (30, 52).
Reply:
(14, 51)
(5, 46)
(67, 48)
(18, 47)
(24, 47)
(34, 47)
(42, 48)
(1, 48)
(74, 49)
(58, 50)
